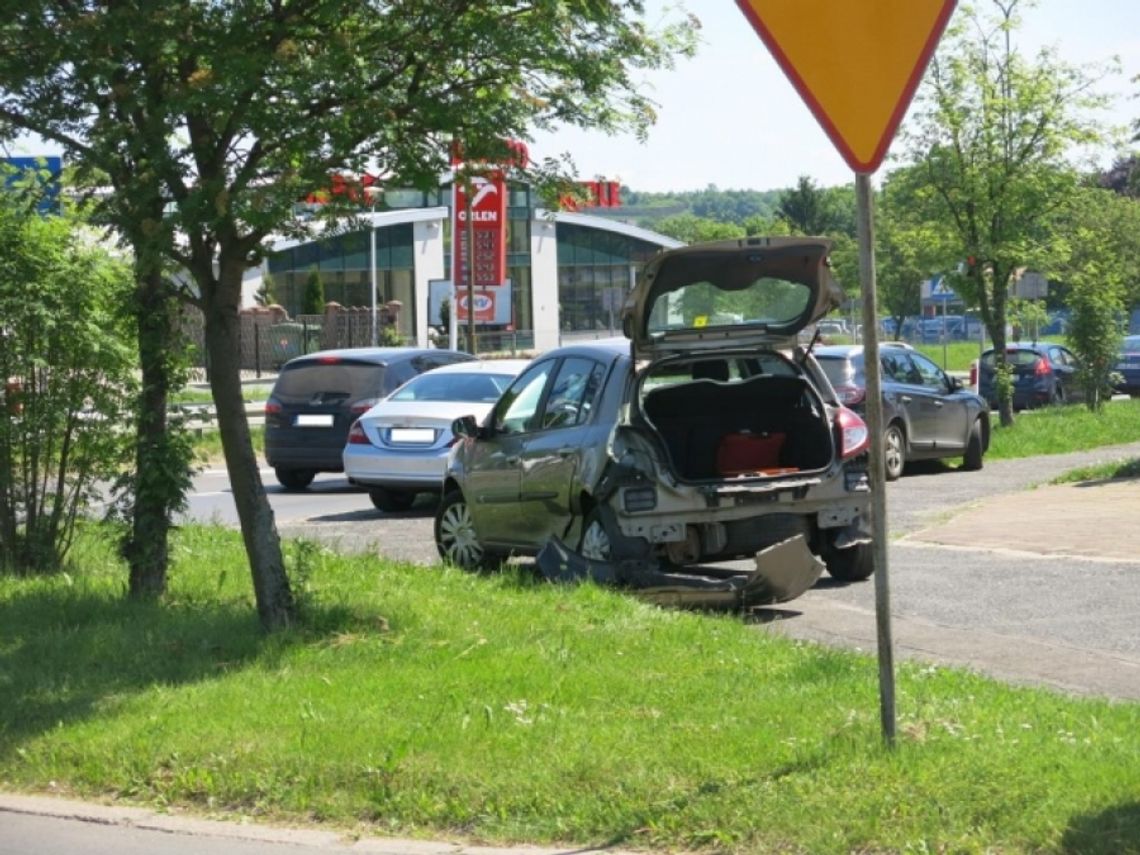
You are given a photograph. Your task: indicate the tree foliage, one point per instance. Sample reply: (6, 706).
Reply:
(210, 121)
(993, 133)
(313, 298)
(67, 375)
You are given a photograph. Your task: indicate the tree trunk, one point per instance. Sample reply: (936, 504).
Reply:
(155, 502)
(275, 604)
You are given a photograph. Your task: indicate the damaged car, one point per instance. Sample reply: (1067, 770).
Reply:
(707, 434)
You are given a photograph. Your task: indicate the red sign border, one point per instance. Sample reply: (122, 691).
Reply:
(880, 152)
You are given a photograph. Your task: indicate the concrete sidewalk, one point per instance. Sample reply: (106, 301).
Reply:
(1091, 519)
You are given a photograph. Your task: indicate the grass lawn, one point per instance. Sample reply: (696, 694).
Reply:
(1073, 427)
(425, 701)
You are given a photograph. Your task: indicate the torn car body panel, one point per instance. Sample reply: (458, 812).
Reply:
(783, 572)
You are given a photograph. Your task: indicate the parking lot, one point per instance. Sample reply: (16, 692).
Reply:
(1038, 586)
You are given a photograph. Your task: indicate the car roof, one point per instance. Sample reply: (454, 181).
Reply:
(601, 348)
(482, 366)
(376, 355)
(846, 351)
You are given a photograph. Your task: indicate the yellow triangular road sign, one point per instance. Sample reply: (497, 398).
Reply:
(856, 63)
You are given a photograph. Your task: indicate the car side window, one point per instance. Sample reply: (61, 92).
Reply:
(516, 410)
(895, 368)
(572, 394)
(932, 377)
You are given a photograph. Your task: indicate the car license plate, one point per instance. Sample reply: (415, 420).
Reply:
(418, 436)
(314, 420)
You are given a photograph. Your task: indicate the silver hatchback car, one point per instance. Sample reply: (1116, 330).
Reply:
(706, 434)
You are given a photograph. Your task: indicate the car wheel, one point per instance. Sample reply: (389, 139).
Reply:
(1058, 396)
(390, 501)
(595, 544)
(975, 448)
(294, 479)
(853, 564)
(894, 451)
(455, 535)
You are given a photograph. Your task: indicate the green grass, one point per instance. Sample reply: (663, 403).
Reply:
(425, 701)
(207, 443)
(1103, 472)
(1056, 430)
(249, 394)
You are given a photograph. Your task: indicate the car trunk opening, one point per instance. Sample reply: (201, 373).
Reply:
(764, 426)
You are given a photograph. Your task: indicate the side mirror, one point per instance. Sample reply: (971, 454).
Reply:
(955, 383)
(465, 426)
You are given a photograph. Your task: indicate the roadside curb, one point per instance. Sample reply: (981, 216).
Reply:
(332, 841)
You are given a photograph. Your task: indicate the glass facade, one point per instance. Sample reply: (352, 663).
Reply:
(595, 266)
(342, 263)
(594, 274)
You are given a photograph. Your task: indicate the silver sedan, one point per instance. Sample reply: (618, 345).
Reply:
(399, 447)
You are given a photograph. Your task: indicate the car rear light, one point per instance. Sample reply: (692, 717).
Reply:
(854, 437)
(850, 395)
(1041, 367)
(362, 406)
(356, 435)
(328, 360)
(974, 373)
(272, 408)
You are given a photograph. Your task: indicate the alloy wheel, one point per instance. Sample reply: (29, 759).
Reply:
(458, 542)
(595, 541)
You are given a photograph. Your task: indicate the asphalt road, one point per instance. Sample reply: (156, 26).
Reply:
(1064, 621)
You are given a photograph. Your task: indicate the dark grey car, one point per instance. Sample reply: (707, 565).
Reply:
(708, 435)
(317, 397)
(926, 413)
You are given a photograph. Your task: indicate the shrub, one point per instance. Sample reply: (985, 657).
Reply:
(65, 352)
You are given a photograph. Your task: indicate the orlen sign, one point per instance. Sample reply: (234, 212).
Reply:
(488, 230)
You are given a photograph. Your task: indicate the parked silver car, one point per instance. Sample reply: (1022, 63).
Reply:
(708, 434)
(399, 447)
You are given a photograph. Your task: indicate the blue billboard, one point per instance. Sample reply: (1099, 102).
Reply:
(44, 170)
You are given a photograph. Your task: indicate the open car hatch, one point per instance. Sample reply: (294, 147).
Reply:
(730, 294)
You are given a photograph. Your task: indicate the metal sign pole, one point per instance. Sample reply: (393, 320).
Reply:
(872, 369)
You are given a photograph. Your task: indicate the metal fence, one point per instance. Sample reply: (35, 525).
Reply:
(268, 338)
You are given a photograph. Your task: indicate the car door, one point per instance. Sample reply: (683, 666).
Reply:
(912, 400)
(1065, 365)
(551, 456)
(945, 407)
(493, 468)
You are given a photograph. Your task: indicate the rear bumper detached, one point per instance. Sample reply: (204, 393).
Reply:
(783, 572)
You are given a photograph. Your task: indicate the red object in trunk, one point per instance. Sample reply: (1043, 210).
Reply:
(741, 453)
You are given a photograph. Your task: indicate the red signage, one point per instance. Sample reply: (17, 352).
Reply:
(484, 300)
(488, 211)
(600, 194)
(362, 190)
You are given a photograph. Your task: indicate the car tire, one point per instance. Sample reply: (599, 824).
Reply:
(894, 451)
(455, 535)
(975, 448)
(595, 543)
(853, 564)
(294, 479)
(390, 501)
(1058, 396)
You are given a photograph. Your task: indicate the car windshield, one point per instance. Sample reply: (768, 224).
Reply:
(723, 291)
(1131, 343)
(474, 387)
